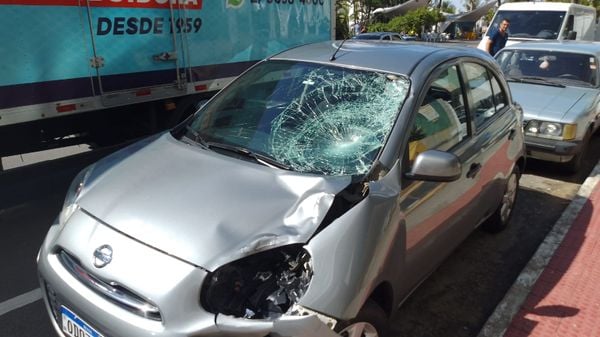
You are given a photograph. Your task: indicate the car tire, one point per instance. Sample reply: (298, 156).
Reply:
(501, 217)
(371, 321)
(573, 165)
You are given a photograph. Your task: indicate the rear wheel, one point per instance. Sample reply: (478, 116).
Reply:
(499, 220)
(371, 321)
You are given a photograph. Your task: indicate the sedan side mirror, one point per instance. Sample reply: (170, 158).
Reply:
(434, 165)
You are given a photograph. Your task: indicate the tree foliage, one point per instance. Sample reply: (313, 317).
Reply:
(411, 22)
(448, 7)
(342, 19)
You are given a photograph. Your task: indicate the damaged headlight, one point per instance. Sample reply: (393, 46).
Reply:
(261, 286)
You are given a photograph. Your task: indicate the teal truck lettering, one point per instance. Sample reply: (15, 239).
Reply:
(83, 71)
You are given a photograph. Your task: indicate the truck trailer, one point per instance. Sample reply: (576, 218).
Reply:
(98, 71)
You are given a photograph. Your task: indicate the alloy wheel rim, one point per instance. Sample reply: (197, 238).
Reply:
(360, 329)
(508, 200)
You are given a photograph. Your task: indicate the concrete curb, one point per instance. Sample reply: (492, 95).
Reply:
(499, 321)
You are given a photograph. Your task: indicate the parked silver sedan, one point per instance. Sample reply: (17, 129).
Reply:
(558, 86)
(381, 36)
(307, 198)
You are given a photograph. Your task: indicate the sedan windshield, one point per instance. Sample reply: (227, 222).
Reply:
(305, 117)
(549, 66)
(531, 24)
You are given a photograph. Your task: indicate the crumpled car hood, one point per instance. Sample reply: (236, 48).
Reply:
(547, 102)
(203, 207)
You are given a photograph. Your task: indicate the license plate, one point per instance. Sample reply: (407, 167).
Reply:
(74, 326)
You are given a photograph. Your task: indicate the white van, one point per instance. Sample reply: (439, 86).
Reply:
(544, 21)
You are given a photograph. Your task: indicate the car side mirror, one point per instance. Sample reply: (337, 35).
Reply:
(571, 35)
(434, 165)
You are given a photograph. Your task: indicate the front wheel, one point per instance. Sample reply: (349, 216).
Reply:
(499, 220)
(574, 165)
(371, 321)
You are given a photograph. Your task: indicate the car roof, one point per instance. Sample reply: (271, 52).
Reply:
(540, 5)
(583, 47)
(392, 57)
(376, 34)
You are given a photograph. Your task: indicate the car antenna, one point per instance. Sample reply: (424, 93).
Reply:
(338, 49)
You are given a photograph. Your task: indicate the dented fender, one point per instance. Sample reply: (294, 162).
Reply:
(351, 256)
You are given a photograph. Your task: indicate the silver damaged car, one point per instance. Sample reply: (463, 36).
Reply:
(307, 198)
(558, 86)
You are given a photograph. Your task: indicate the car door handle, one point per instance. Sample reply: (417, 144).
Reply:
(473, 170)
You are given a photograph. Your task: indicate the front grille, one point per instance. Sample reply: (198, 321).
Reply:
(55, 302)
(111, 291)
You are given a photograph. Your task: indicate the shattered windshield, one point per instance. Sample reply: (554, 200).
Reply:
(306, 117)
(550, 66)
(531, 24)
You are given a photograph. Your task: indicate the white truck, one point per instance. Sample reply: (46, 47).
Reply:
(78, 71)
(544, 21)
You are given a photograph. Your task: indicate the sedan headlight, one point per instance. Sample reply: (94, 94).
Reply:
(552, 130)
(261, 286)
(73, 193)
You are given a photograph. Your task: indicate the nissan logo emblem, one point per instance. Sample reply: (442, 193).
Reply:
(102, 256)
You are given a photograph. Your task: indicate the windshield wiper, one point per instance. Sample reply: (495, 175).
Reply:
(258, 157)
(196, 137)
(535, 80)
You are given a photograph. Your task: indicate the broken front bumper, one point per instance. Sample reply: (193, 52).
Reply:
(181, 314)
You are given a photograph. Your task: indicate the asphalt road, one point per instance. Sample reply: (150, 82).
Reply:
(455, 301)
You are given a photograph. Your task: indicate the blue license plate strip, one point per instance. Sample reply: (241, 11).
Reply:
(74, 326)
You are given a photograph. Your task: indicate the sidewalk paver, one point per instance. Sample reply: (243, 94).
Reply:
(565, 300)
(558, 292)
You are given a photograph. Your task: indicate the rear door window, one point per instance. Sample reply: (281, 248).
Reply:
(486, 95)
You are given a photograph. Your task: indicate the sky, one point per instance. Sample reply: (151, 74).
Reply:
(459, 5)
